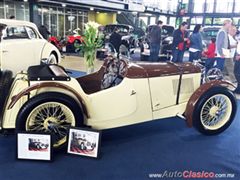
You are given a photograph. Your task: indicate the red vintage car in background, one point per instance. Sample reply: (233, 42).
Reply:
(66, 44)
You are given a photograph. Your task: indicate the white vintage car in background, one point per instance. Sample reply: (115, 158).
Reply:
(22, 46)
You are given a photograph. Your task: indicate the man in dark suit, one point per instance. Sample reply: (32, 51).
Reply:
(155, 40)
(116, 39)
(44, 32)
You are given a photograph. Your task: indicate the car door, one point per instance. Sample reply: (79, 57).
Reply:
(172, 90)
(163, 91)
(17, 49)
(113, 103)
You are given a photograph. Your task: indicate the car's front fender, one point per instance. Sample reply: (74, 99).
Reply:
(198, 93)
(49, 49)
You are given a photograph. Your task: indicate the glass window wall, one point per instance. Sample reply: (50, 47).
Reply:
(196, 20)
(209, 6)
(219, 21)
(163, 19)
(198, 6)
(152, 20)
(172, 21)
(53, 21)
(225, 6)
(236, 21)
(173, 5)
(11, 8)
(61, 21)
(167, 5)
(1, 10)
(237, 6)
(208, 21)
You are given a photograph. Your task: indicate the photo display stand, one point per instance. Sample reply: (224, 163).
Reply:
(34, 146)
(84, 142)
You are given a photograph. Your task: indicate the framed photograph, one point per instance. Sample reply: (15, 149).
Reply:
(84, 142)
(32, 146)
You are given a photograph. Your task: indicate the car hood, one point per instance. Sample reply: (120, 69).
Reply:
(149, 70)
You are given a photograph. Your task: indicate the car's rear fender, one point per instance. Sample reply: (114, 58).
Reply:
(9, 115)
(55, 86)
(198, 93)
(46, 86)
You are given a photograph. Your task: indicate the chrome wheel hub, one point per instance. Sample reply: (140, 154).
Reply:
(51, 117)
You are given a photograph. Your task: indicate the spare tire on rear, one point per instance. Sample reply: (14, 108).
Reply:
(5, 85)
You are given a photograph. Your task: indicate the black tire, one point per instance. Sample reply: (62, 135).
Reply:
(55, 124)
(5, 85)
(226, 119)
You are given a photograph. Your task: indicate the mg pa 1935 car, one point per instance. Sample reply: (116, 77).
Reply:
(46, 99)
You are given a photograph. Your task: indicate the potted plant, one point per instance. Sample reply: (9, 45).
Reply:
(91, 41)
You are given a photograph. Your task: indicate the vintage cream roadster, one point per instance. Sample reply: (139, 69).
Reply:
(46, 99)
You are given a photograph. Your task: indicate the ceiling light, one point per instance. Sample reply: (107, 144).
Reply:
(119, 12)
(63, 5)
(91, 9)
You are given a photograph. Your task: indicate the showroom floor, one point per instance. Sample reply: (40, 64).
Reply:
(77, 63)
(135, 153)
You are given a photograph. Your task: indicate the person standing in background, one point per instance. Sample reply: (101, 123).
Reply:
(196, 46)
(210, 54)
(180, 39)
(229, 64)
(116, 39)
(237, 68)
(222, 44)
(44, 32)
(155, 41)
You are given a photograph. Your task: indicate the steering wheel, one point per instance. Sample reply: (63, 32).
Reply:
(114, 73)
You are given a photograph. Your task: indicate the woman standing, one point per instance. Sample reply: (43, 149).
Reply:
(196, 46)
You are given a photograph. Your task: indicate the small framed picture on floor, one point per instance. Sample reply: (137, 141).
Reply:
(33, 146)
(84, 142)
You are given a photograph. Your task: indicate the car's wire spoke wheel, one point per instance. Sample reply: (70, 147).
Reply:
(50, 112)
(51, 117)
(216, 112)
